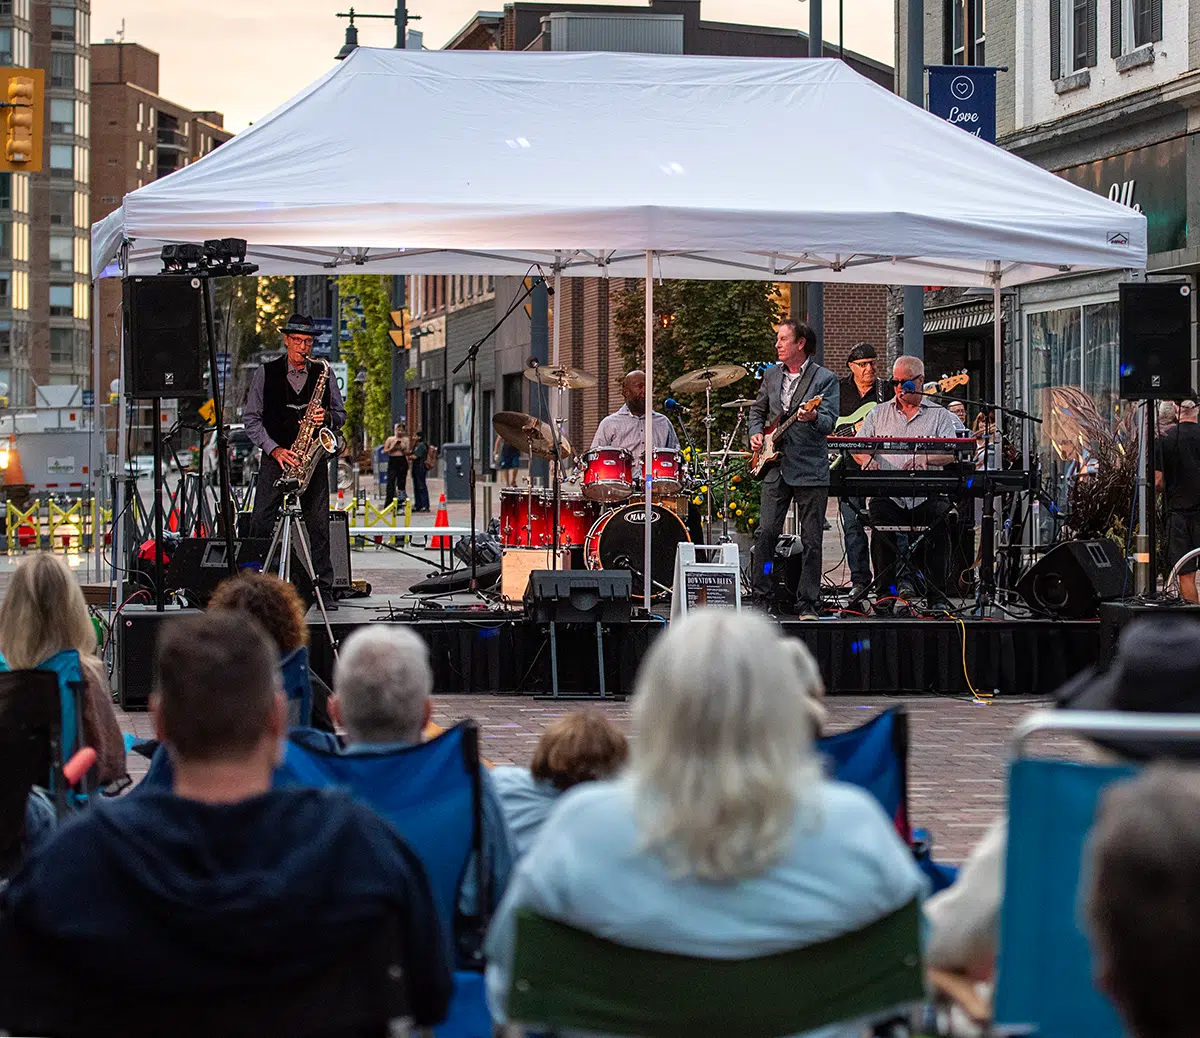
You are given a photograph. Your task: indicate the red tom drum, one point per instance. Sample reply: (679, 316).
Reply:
(666, 466)
(607, 474)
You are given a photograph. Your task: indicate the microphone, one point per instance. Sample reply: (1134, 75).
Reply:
(671, 404)
(908, 386)
(532, 362)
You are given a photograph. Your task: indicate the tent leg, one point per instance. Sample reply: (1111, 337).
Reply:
(649, 422)
(997, 416)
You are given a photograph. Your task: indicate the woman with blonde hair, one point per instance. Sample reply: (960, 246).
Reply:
(722, 839)
(42, 614)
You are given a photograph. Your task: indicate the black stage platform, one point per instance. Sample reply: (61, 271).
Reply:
(492, 651)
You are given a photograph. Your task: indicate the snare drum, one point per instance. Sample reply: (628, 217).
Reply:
(607, 474)
(666, 466)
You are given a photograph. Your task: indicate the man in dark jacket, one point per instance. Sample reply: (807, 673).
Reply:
(802, 472)
(221, 887)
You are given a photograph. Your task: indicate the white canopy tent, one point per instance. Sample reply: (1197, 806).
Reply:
(621, 165)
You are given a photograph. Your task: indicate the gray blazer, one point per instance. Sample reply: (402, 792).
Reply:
(804, 458)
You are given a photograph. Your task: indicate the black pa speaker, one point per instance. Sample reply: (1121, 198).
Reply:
(339, 549)
(579, 596)
(1073, 578)
(1156, 341)
(164, 337)
(136, 641)
(198, 565)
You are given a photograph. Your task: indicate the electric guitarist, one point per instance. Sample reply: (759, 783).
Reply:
(801, 473)
(858, 393)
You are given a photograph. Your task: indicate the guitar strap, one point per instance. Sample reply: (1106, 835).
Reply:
(799, 393)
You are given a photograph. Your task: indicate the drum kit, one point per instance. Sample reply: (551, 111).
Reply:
(593, 492)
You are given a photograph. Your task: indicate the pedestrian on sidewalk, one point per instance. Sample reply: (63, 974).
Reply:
(420, 453)
(396, 448)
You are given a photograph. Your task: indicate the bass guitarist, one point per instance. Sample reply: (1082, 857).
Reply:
(802, 472)
(860, 391)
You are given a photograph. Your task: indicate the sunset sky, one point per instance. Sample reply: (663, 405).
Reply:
(245, 57)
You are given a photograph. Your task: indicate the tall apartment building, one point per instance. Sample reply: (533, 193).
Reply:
(44, 219)
(450, 313)
(1105, 93)
(139, 137)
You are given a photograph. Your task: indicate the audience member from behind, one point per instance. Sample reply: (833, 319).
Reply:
(382, 683)
(722, 839)
(276, 605)
(580, 747)
(1140, 900)
(1157, 669)
(43, 614)
(222, 884)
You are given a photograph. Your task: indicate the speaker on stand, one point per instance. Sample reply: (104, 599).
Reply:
(1155, 363)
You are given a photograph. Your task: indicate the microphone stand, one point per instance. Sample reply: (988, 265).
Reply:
(472, 359)
(986, 591)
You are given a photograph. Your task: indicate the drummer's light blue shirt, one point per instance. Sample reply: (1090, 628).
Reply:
(845, 867)
(624, 429)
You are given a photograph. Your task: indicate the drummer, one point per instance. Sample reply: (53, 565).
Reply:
(626, 427)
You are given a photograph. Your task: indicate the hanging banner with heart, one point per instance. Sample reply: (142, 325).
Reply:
(965, 95)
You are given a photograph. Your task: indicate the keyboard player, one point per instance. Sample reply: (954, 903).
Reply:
(910, 414)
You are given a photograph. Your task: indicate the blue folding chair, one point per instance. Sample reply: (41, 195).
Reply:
(1044, 967)
(432, 793)
(297, 685)
(68, 672)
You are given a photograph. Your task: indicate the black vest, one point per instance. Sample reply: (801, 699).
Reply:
(282, 407)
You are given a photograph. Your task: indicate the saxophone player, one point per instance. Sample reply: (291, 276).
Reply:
(280, 393)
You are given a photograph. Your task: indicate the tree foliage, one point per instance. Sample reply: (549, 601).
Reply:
(699, 323)
(273, 305)
(369, 349)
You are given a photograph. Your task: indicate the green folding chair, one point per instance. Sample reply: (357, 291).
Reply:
(565, 978)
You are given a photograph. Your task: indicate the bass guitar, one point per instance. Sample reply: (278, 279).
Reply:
(769, 451)
(848, 425)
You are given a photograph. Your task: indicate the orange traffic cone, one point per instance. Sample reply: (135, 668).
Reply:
(443, 519)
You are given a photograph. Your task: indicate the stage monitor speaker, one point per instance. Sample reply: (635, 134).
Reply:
(164, 337)
(1073, 578)
(136, 641)
(1156, 341)
(339, 549)
(198, 565)
(580, 596)
(1114, 616)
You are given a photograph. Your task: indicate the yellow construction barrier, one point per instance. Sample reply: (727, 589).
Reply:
(24, 526)
(66, 526)
(380, 517)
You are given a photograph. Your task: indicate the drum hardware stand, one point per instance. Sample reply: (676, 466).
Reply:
(556, 471)
(708, 424)
(291, 521)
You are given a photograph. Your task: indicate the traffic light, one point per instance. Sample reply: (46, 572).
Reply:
(23, 100)
(400, 334)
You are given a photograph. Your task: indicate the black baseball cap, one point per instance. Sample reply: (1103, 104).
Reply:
(861, 351)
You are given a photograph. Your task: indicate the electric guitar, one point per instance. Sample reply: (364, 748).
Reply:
(848, 425)
(768, 451)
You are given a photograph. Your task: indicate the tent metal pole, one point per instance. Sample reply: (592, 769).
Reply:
(120, 519)
(555, 359)
(649, 422)
(96, 471)
(997, 415)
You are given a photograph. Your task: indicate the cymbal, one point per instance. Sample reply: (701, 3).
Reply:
(560, 377)
(740, 403)
(528, 434)
(715, 376)
(726, 454)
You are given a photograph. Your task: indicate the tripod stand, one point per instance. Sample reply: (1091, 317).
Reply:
(291, 521)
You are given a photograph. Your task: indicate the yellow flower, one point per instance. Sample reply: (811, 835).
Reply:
(737, 479)
(704, 490)
(739, 511)
(749, 522)
(697, 501)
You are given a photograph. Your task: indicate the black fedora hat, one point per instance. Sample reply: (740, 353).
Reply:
(1156, 671)
(300, 324)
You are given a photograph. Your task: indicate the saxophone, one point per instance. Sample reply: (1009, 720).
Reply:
(313, 442)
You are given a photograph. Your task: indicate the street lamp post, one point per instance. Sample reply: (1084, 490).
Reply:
(400, 16)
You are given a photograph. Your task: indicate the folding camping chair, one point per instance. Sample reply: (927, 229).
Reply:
(1044, 966)
(567, 978)
(874, 756)
(432, 793)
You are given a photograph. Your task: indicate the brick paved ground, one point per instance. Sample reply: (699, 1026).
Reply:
(956, 766)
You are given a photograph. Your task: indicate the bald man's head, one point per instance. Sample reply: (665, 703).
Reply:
(633, 389)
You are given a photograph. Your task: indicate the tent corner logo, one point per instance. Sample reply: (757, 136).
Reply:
(1118, 238)
(962, 87)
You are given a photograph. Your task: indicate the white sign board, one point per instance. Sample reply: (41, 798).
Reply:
(715, 583)
(341, 373)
